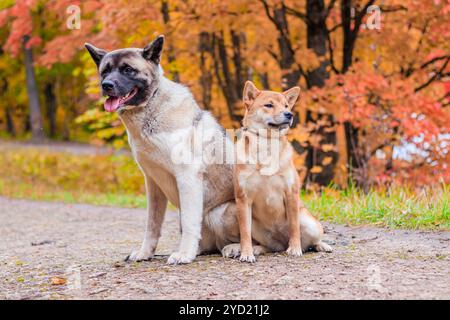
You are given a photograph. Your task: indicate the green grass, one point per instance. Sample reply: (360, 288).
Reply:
(398, 209)
(116, 181)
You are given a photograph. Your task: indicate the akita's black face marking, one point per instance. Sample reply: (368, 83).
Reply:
(129, 77)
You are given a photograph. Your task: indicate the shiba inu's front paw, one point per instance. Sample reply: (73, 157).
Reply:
(139, 255)
(247, 258)
(294, 251)
(180, 258)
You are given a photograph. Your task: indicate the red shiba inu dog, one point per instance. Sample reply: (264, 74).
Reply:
(269, 209)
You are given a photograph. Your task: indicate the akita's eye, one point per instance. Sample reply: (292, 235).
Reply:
(128, 69)
(269, 105)
(105, 72)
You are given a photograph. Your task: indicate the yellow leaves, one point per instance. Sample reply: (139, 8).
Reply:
(4, 4)
(68, 172)
(58, 281)
(314, 140)
(328, 147)
(119, 144)
(109, 133)
(300, 134)
(104, 126)
(316, 169)
(309, 58)
(332, 193)
(327, 160)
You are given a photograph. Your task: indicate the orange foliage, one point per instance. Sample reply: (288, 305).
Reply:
(394, 93)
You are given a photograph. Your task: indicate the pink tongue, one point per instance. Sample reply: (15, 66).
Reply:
(112, 103)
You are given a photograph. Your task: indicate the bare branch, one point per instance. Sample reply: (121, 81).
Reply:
(423, 66)
(267, 9)
(331, 52)
(386, 9)
(436, 76)
(296, 13)
(330, 7)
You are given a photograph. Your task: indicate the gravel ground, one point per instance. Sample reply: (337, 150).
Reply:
(63, 251)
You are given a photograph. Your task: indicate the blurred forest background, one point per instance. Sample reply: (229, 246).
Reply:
(375, 76)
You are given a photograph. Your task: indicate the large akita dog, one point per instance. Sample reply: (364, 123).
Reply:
(267, 192)
(161, 116)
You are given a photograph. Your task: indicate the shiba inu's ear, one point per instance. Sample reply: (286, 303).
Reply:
(250, 93)
(153, 50)
(292, 96)
(96, 53)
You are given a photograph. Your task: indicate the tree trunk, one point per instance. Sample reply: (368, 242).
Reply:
(348, 45)
(239, 76)
(291, 74)
(317, 40)
(264, 78)
(10, 128)
(205, 48)
(170, 56)
(225, 77)
(50, 101)
(350, 29)
(37, 129)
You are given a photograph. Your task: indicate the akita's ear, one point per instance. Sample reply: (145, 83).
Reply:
(96, 53)
(153, 50)
(292, 96)
(250, 93)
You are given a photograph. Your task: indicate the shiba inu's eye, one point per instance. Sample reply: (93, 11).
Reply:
(268, 105)
(286, 106)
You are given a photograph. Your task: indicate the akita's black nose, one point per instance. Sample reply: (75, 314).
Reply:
(107, 85)
(288, 115)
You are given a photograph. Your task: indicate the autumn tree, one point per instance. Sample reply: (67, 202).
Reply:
(21, 38)
(369, 96)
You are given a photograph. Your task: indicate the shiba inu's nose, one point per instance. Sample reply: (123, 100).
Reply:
(107, 85)
(288, 115)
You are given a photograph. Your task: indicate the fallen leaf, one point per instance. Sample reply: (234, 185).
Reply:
(58, 281)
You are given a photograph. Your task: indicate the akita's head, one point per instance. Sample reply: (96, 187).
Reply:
(129, 77)
(268, 109)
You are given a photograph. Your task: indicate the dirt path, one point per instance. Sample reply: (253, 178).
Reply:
(84, 246)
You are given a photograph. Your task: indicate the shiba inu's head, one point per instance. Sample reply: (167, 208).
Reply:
(268, 109)
(129, 77)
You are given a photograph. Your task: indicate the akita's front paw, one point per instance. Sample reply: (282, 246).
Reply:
(294, 251)
(139, 255)
(323, 247)
(180, 258)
